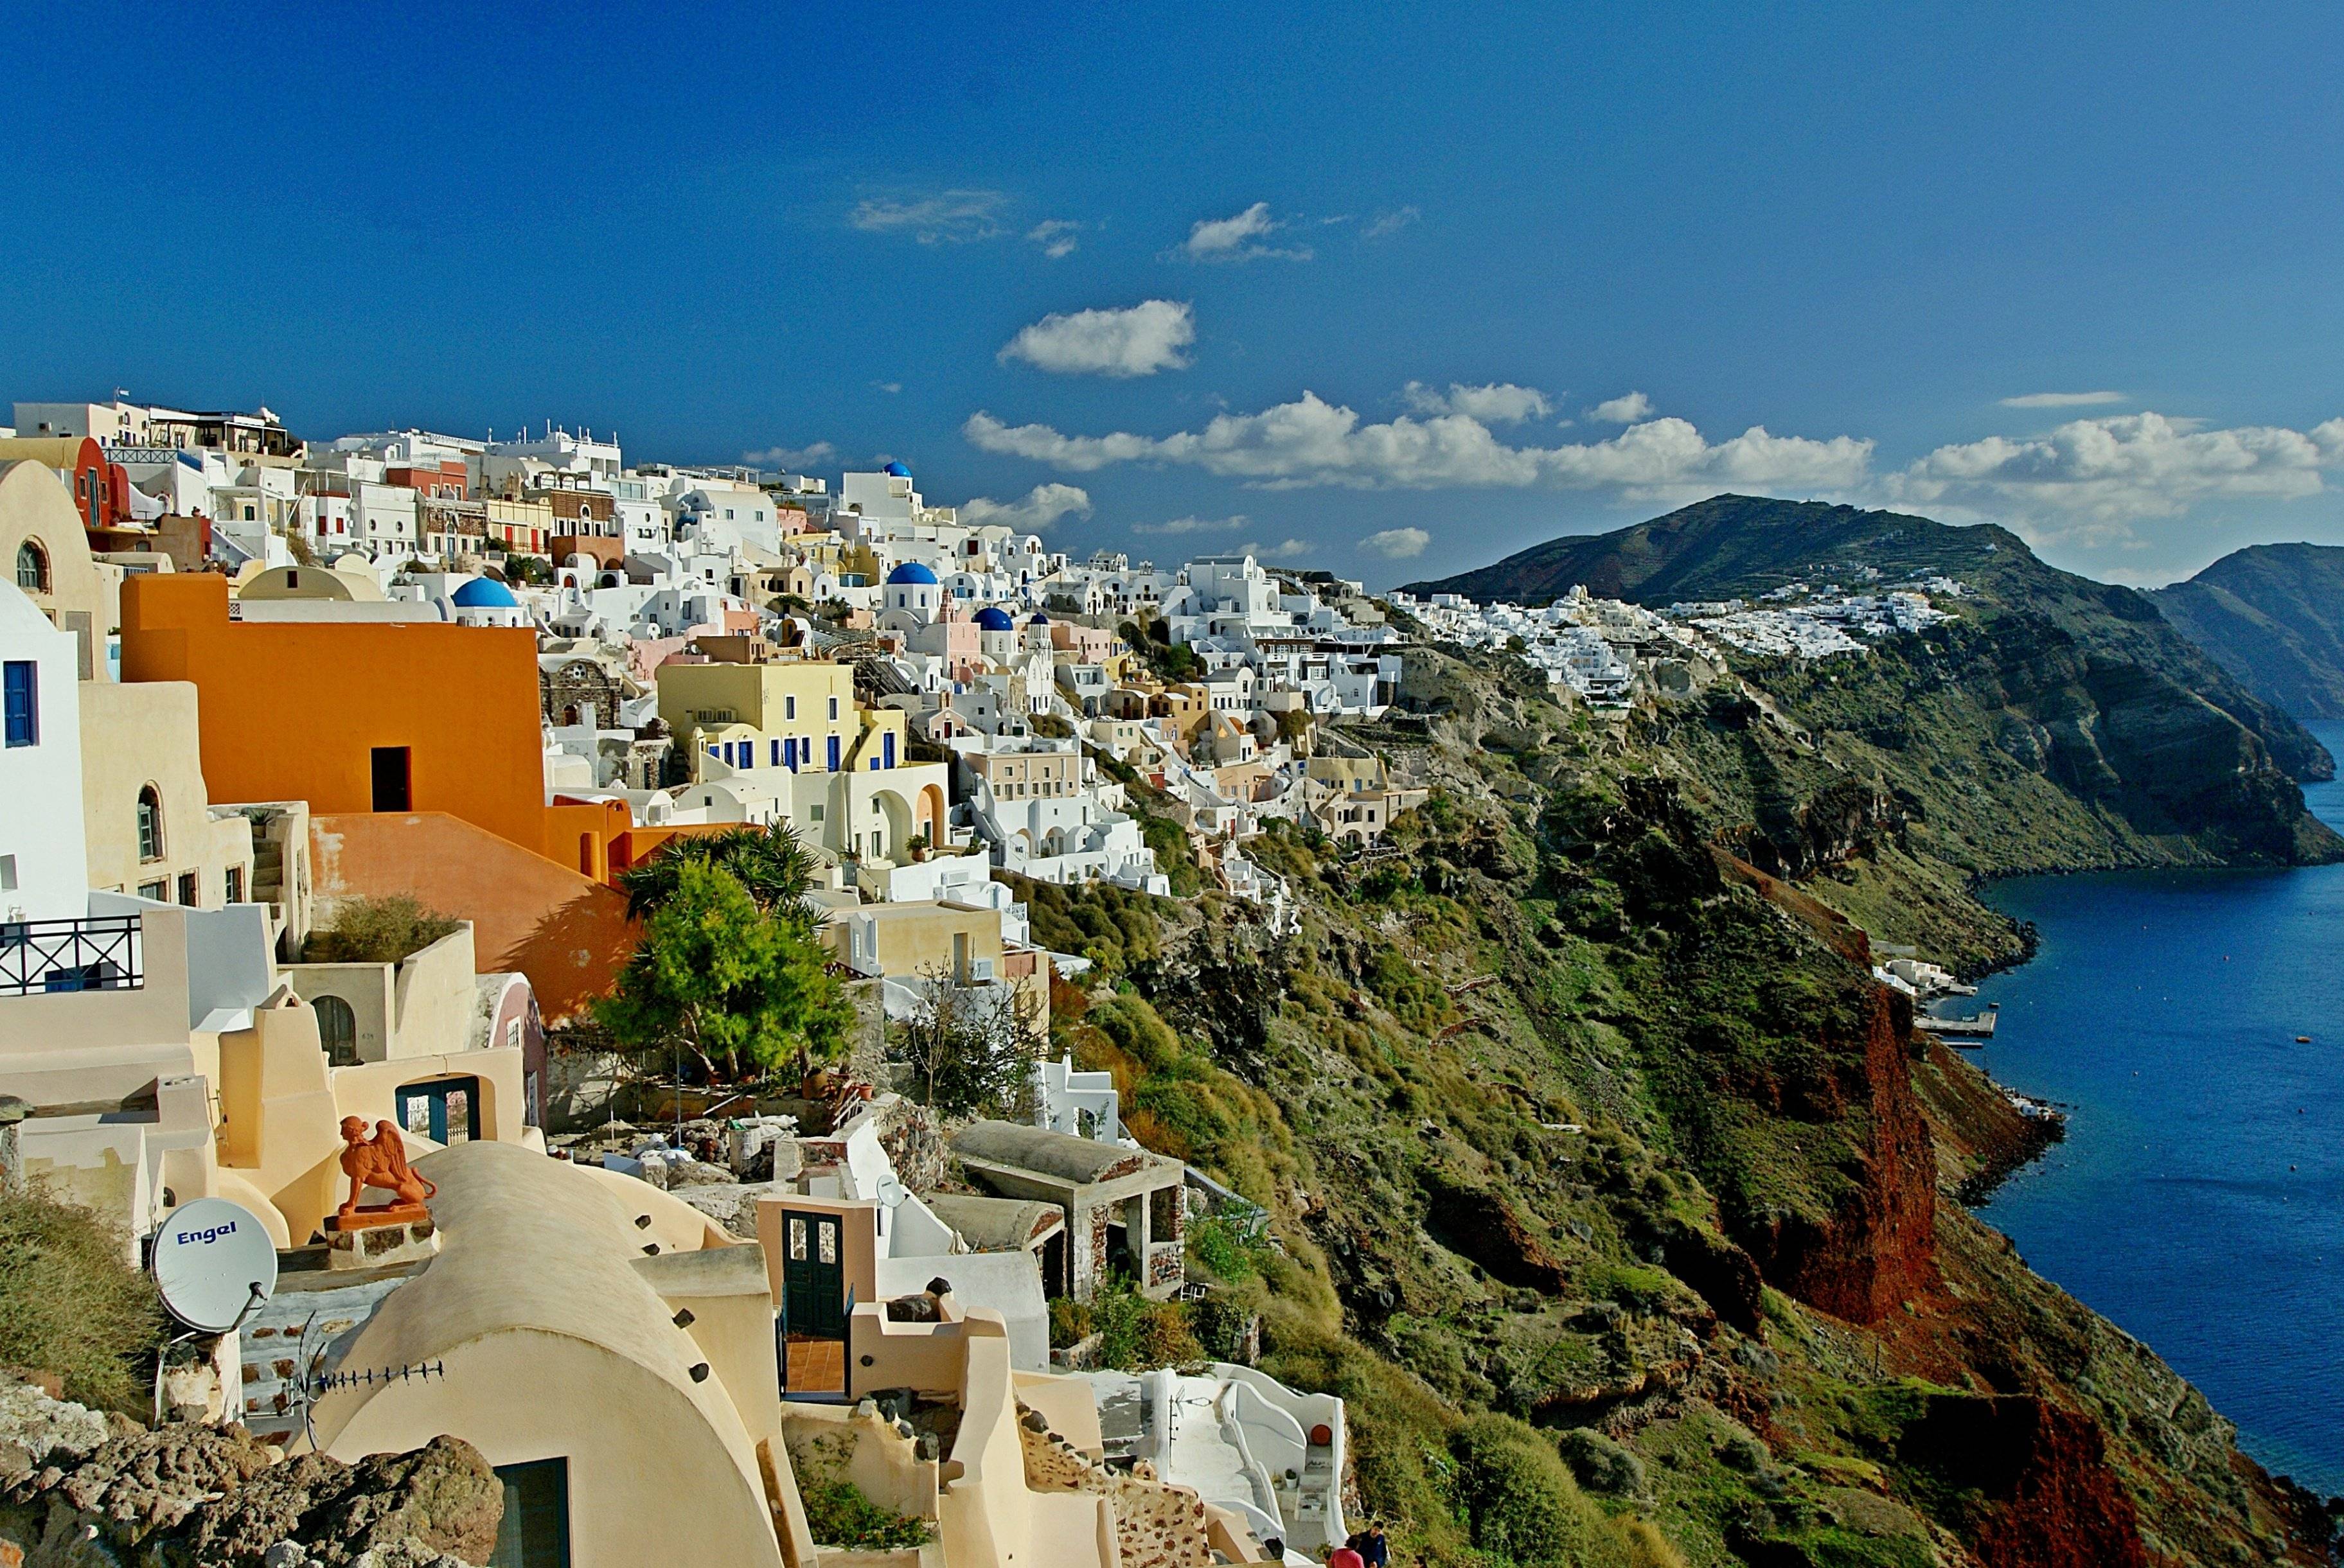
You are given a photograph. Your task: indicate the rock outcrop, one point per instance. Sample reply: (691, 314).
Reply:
(79, 1492)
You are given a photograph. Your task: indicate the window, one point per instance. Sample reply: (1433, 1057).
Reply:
(235, 891)
(834, 710)
(190, 888)
(22, 700)
(774, 750)
(7, 873)
(833, 745)
(789, 708)
(338, 1030)
(32, 567)
(150, 824)
(535, 1529)
(153, 891)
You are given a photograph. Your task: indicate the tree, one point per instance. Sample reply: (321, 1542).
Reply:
(972, 1047)
(738, 988)
(771, 862)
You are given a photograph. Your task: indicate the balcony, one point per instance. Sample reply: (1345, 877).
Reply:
(45, 957)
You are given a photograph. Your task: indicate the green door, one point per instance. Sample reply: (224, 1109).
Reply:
(813, 1275)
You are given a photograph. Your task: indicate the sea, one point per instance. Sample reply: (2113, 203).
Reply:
(2191, 1023)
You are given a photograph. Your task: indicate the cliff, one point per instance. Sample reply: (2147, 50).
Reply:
(1575, 1105)
(2273, 617)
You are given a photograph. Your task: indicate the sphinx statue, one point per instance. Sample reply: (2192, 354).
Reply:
(380, 1161)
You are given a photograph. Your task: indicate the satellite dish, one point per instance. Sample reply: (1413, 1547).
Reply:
(213, 1263)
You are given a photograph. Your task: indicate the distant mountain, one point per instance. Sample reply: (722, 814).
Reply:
(2273, 616)
(2082, 681)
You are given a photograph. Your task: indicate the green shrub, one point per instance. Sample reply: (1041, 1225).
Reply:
(1070, 1321)
(71, 1304)
(1601, 1464)
(376, 931)
(1518, 1498)
(838, 1514)
(1135, 1333)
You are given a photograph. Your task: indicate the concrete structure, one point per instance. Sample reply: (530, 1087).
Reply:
(1123, 1205)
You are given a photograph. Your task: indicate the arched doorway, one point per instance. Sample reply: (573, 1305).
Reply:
(932, 816)
(338, 1030)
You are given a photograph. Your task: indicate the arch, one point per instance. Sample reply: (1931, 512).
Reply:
(151, 823)
(932, 815)
(896, 813)
(33, 567)
(338, 1030)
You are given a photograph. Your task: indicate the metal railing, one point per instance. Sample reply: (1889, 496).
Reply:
(99, 953)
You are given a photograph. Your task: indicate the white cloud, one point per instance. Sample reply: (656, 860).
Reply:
(1627, 410)
(890, 387)
(1140, 341)
(1284, 550)
(946, 218)
(1055, 235)
(1192, 525)
(1496, 403)
(1391, 222)
(1397, 544)
(1238, 239)
(2062, 400)
(1041, 507)
(2094, 475)
(1310, 441)
(793, 458)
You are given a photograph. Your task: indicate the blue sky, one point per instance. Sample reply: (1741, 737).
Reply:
(1429, 237)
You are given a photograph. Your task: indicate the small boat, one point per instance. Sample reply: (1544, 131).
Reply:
(2303, 1040)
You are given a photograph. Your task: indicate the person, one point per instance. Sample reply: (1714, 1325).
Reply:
(1374, 1550)
(1344, 1557)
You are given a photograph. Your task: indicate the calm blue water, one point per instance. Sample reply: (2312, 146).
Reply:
(2198, 1200)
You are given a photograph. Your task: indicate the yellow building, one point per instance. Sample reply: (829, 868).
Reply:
(786, 741)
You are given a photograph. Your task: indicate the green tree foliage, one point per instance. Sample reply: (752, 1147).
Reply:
(376, 931)
(771, 862)
(70, 1304)
(741, 989)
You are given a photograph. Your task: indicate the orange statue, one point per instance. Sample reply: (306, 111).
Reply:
(380, 1161)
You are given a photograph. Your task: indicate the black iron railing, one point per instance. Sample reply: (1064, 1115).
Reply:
(100, 953)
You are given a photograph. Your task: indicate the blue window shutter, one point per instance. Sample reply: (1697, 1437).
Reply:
(887, 748)
(777, 753)
(833, 754)
(23, 703)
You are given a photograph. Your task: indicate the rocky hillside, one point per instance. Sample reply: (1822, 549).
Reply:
(2272, 616)
(1618, 1200)
(2108, 645)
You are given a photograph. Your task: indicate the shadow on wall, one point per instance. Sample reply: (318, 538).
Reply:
(569, 934)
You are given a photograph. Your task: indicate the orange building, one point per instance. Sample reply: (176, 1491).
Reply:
(414, 722)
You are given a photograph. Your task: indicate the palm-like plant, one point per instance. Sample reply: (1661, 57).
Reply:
(770, 861)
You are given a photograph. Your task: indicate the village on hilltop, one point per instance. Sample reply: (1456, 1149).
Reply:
(395, 823)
